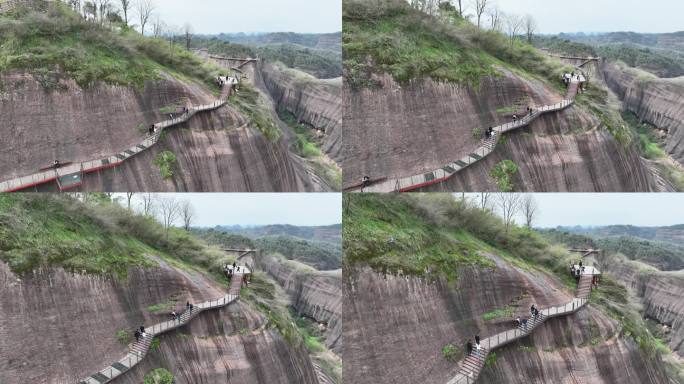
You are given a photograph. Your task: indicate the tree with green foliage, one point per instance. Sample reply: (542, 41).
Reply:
(503, 174)
(159, 376)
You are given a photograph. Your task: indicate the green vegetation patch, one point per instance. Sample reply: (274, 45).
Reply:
(451, 353)
(166, 161)
(506, 110)
(60, 44)
(390, 37)
(159, 376)
(503, 174)
(165, 306)
(313, 339)
(122, 336)
(501, 313)
(392, 234)
(42, 230)
(252, 104)
(308, 145)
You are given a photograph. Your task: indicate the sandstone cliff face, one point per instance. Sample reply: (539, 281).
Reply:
(656, 101)
(58, 327)
(210, 157)
(75, 124)
(399, 131)
(396, 327)
(660, 294)
(215, 151)
(316, 294)
(316, 102)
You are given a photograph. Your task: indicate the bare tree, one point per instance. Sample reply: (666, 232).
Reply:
(514, 24)
(169, 208)
(129, 196)
(509, 204)
(529, 209)
(148, 204)
(157, 27)
(145, 9)
(90, 10)
(495, 19)
(188, 214)
(480, 8)
(126, 6)
(530, 27)
(484, 200)
(187, 31)
(460, 8)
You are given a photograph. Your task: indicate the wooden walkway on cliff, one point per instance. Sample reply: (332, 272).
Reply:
(139, 349)
(472, 365)
(487, 146)
(71, 176)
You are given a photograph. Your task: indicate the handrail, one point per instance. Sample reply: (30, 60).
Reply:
(89, 166)
(502, 338)
(134, 357)
(413, 182)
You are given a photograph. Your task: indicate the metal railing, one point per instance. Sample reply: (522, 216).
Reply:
(503, 338)
(90, 165)
(405, 183)
(133, 358)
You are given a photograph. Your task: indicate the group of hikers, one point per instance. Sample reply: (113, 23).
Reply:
(522, 322)
(140, 333)
(229, 271)
(569, 77)
(188, 308)
(470, 348)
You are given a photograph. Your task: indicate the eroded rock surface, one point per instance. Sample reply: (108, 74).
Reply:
(660, 293)
(58, 327)
(656, 101)
(318, 103)
(396, 327)
(406, 130)
(316, 294)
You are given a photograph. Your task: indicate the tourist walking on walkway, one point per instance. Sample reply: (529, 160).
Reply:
(142, 330)
(477, 344)
(532, 309)
(518, 323)
(365, 182)
(515, 118)
(191, 307)
(469, 347)
(137, 335)
(524, 323)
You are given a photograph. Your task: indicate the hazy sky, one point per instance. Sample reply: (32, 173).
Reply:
(216, 16)
(554, 16)
(642, 209)
(261, 208)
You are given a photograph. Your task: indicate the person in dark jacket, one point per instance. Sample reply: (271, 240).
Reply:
(469, 347)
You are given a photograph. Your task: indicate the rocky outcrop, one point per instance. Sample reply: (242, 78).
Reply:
(59, 327)
(396, 327)
(316, 294)
(398, 131)
(656, 101)
(660, 293)
(315, 102)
